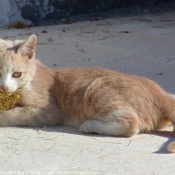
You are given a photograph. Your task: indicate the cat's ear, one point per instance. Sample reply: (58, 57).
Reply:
(28, 47)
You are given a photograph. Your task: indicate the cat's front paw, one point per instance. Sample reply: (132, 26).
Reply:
(87, 127)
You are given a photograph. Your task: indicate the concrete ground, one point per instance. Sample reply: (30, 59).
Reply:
(140, 45)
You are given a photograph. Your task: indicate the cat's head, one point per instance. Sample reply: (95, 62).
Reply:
(17, 65)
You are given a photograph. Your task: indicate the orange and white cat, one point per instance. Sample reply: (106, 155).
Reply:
(91, 99)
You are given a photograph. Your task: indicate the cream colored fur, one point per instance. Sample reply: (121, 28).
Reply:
(91, 99)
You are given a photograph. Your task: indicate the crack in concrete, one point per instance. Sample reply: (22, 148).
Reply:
(46, 150)
(84, 150)
(102, 157)
(12, 155)
(134, 139)
(6, 143)
(14, 138)
(105, 142)
(54, 138)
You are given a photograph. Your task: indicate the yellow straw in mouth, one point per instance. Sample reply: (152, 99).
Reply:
(9, 100)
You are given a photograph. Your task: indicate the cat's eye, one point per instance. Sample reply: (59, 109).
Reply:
(16, 74)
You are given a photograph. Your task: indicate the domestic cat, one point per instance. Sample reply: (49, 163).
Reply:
(93, 100)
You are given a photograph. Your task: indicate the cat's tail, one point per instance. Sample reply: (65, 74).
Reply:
(171, 147)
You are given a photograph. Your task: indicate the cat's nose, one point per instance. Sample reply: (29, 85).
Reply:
(4, 88)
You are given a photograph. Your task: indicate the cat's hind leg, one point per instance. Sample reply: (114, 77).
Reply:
(121, 125)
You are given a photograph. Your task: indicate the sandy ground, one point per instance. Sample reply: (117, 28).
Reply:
(140, 45)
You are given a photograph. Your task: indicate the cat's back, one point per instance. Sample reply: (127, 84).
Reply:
(83, 76)
(71, 84)
(86, 72)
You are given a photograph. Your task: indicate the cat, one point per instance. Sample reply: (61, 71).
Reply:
(94, 100)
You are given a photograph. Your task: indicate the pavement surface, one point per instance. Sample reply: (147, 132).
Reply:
(141, 45)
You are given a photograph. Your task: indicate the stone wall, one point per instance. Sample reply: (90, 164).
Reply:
(40, 10)
(9, 12)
